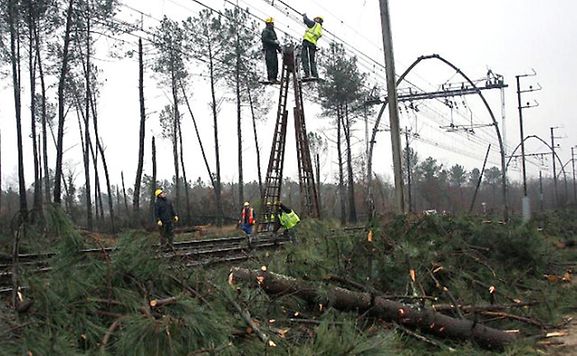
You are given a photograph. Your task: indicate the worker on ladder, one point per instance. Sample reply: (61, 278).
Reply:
(271, 46)
(312, 34)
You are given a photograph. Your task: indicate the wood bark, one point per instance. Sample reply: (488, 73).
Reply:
(175, 118)
(61, 116)
(258, 165)
(44, 116)
(185, 181)
(15, 61)
(37, 202)
(239, 124)
(339, 298)
(1, 193)
(218, 186)
(153, 185)
(142, 133)
(208, 170)
(87, 128)
(86, 147)
(124, 192)
(351, 177)
(341, 174)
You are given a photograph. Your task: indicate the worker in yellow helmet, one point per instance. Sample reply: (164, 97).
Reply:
(165, 215)
(271, 46)
(309, 47)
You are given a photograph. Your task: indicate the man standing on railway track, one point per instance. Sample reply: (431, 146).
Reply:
(247, 220)
(309, 47)
(165, 215)
(271, 46)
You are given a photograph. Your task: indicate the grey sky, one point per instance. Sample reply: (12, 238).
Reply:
(510, 37)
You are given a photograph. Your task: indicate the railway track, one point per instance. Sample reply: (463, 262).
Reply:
(192, 253)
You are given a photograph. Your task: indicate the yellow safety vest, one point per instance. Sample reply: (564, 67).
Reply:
(314, 33)
(289, 220)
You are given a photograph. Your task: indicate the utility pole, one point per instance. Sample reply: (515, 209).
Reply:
(573, 166)
(393, 105)
(526, 207)
(408, 153)
(541, 190)
(556, 195)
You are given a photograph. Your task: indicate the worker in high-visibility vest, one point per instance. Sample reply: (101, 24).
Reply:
(247, 219)
(309, 47)
(287, 219)
(271, 46)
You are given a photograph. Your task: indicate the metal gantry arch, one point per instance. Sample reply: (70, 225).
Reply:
(546, 144)
(464, 76)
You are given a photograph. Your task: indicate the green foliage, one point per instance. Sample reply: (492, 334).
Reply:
(345, 339)
(78, 300)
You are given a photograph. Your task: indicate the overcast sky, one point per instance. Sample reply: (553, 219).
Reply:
(509, 37)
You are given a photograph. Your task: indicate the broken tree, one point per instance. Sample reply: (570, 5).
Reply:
(379, 307)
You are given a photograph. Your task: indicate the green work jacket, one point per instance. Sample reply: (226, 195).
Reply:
(290, 220)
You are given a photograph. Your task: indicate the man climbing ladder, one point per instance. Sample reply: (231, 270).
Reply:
(312, 34)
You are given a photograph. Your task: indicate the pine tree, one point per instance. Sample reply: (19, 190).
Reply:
(341, 94)
(168, 40)
(240, 31)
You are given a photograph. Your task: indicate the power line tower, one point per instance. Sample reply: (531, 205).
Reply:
(526, 206)
(274, 175)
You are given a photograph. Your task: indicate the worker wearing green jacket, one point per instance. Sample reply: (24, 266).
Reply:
(287, 219)
(309, 47)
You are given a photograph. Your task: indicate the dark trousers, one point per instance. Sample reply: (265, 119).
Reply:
(271, 59)
(308, 59)
(166, 234)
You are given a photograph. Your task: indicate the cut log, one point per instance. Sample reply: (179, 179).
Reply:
(339, 298)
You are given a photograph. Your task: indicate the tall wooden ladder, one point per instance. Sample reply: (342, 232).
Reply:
(273, 182)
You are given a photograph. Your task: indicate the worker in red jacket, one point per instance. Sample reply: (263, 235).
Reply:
(247, 219)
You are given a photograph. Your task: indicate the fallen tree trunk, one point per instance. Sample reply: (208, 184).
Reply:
(344, 299)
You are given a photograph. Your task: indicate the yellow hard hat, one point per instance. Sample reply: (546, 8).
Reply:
(320, 18)
(157, 192)
(246, 203)
(269, 20)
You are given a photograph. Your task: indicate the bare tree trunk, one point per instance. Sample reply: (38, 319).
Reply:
(124, 192)
(1, 173)
(255, 142)
(15, 61)
(151, 207)
(341, 175)
(175, 139)
(118, 197)
(318, 173)
(86, 147)
(186, 190)
(347, 131)
(239, 126)
(61, 85)
(37, 205)
(210, 176)
(105, 166)
(98, 207)
(218, 185)
(44, 118)
(87, 129)
(138, 182)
